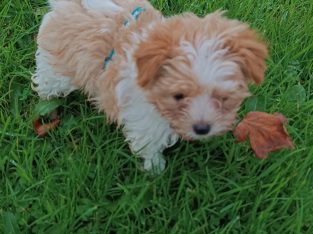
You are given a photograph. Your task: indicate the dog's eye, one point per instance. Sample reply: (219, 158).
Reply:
(179, 96)
(224, 99)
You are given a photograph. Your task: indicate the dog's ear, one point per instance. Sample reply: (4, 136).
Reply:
(251, 53)
(160, 46)
(149, 58)
(242, 43)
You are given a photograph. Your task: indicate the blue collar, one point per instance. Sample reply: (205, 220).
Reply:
(135, 15)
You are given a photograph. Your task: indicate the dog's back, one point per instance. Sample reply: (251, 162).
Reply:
(69, 35)
(73, 40)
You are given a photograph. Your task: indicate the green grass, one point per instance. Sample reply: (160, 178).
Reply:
(83, 179)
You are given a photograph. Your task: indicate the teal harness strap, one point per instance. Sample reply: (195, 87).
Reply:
(135, 14)
(108, 59)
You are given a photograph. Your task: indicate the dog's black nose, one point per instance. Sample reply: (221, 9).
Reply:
(202, 128)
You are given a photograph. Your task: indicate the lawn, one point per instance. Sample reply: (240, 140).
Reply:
(82, 178)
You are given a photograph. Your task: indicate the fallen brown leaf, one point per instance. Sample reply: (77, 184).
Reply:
(42, 129)
(266, 133)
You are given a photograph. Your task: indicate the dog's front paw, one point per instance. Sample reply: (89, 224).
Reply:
(155, 164)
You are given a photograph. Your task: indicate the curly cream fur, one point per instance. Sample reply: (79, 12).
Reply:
(204, 60)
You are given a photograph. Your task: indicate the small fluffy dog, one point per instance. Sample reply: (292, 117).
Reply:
(160, 78)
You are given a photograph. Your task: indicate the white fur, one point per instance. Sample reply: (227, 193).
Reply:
(212, 70)
(46, 82)
(45, 20)
(208, 63)
(101, 5)
(94, 5)
(52, 3)
(197, 112)
(209, 114)
(147, 132)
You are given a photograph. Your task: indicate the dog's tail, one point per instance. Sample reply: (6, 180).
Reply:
(96, 5)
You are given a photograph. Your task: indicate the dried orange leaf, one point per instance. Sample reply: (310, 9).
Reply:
(42, 129)
(266, 133)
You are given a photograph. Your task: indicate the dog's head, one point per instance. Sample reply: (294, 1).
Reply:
(196, 71)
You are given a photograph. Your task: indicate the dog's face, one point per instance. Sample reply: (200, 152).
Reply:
(196, 72)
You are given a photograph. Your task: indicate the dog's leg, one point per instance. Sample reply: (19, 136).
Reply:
(149, 143)
(154, 162)
(152, 156)
(146, 131)
(46, 82)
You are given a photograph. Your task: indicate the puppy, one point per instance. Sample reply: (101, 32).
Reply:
(160, 78)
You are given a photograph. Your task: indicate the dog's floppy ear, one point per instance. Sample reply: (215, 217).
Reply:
(149, 58)
(243, 44)
(251, 52)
